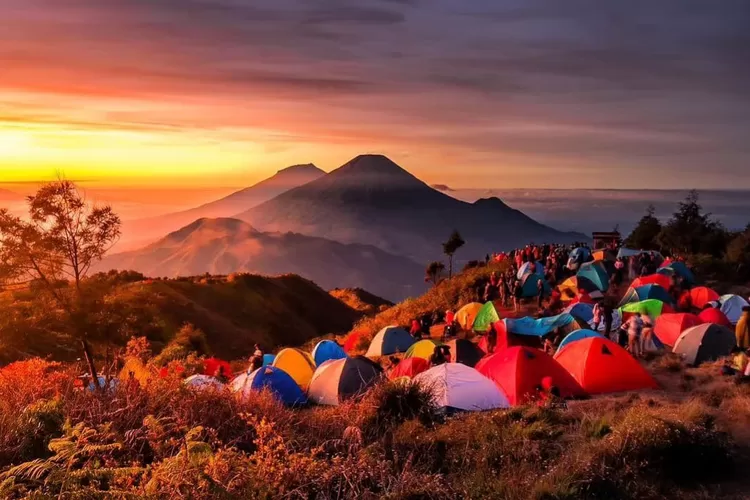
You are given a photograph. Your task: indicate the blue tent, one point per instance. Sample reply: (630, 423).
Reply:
(268, 359)
(577, 335)
(645, 292)
(581, 310)
(325, 350)
(537, 327)
(679, 269)
(526, 269)
(281, 384)
(529, 286)
(596, 274)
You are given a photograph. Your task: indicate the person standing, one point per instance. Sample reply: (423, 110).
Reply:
(517, 296)
(634, 326)
(597, 316)
(540, 292)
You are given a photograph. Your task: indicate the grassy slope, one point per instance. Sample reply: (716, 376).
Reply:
(361, 300)
(449, 294)
(234, 312)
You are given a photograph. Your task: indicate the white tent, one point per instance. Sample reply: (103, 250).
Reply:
(458, 387)
(731, 306)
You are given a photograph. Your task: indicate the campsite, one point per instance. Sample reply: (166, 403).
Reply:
(548, 372)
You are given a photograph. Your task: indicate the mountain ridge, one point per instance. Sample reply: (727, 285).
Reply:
(225, 245)
(152, 228)
(372, 200)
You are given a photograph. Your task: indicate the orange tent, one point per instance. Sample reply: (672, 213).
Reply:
(519, 371)
(409, 367)
(701, 295)
(715, 316)
(601, 366)
(653, 279)
(669, 326)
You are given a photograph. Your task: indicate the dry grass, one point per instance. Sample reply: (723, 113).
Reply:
(163, 440)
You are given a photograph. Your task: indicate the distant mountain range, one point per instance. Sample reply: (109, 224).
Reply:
(373, 201)
(143, 231)
(224, 246)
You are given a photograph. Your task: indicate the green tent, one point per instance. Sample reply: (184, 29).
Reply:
(596, 273)
(653, 307)
(485, 317)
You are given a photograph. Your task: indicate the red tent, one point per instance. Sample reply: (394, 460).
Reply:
(519, 371)
(409, 367)
(668, 327)
(601, 366)
(212, 367)
(653, 279)
(715, 316)
(701, 295)
(350, 344)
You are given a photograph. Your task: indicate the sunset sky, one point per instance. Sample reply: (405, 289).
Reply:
(472, 93)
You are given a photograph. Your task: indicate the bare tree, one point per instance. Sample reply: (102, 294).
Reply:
(55, 247)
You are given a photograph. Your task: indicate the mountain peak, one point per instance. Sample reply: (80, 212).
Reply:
(305, 168)
(373, 164)
(205, 224)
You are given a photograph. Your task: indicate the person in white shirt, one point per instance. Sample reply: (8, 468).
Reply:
(635, 327)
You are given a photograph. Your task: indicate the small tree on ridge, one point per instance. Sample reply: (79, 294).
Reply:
(450, 247)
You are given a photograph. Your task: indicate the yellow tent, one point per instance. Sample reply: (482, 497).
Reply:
(422, 349)
(297, 364)
(466, 315)
(569, 288)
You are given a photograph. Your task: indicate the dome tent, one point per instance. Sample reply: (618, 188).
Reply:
(421, 349)
(541, 326)
(576, 336)
(668, 327)
(337, 380)
(326, 350)
(581, 310)
(273, 379)
(268, 359)
(652, 307)
(645, 292)
(466, 315)
(715, 316)
(706, 342)
(529, 286)
(389, 340)
(596, 273)
(698, 297)
(662, 280)
(457, 387)
(485, 317)
(526, 268)
(410, 368)
(677, 269)
(518, 371)
(465, 352)
(600, 366)
(297, 364)
(213, 367)
(731, 306)
(352, 340)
